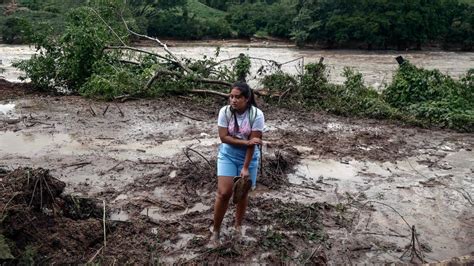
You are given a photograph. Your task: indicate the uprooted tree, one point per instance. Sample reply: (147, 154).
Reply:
(95, 57)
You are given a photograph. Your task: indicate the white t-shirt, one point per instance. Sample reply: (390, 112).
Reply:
(243, 121)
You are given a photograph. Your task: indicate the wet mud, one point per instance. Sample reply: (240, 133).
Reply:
(333, 190)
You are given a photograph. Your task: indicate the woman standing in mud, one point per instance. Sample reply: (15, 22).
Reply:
(240, 127)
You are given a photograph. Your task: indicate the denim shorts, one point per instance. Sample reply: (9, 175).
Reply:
(230, 161)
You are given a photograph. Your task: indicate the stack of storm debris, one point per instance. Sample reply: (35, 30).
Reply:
(39, 224)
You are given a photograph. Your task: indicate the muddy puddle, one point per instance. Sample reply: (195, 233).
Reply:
(65, 144)
(7, 109)
(438, 202)
(333, 191)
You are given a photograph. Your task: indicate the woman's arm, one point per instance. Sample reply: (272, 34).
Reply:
(255, 138)
(225, 138)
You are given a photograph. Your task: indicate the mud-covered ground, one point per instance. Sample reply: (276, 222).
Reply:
(334, 189)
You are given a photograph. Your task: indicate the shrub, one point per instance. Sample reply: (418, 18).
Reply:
(281, 84)
(65, 63)
(16, 30)
(434, 98)
(108, 81)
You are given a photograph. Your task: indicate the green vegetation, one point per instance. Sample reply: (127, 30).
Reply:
(380, 24)
(433, 98)
(5, 252)
(203, 11)
(33, 15)
(312, 89)
(417, 96)
(65, 63)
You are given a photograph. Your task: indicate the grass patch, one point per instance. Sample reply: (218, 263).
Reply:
(204, 12)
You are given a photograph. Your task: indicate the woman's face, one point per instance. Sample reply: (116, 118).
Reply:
(237, 100)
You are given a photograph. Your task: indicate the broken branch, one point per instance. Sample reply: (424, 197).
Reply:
(95, 255)
(126, 47)
(150, 162)
(92, 111)
(186, 152)
(181, 75)
(190, 117)
(165, 47)
(105, 111)
(108, 26)
(77, 164)
(120, 110)
(225, 95)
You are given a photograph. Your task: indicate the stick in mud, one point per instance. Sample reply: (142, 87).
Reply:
(105, 232)
(95, 255)
(414, 252)
(120, 110)
(190, 117)
(92, 111)
(105, 111)
(78, 165)
(186, 152)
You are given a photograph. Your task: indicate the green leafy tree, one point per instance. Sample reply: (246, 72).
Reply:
(67, 62)
(279, 17)
(247, 18)
(307, 23)
(16, 30)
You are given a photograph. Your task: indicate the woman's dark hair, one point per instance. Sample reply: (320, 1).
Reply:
(247, 92)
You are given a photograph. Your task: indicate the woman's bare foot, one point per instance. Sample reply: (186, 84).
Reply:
(236, 234)
(215, 239)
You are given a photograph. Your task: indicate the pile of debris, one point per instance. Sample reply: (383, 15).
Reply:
(40, 224)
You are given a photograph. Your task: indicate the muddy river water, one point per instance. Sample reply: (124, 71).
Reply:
(377, 67)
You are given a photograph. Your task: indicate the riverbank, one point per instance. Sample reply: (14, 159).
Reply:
(271, 42)
(285, 43)
(241, 43)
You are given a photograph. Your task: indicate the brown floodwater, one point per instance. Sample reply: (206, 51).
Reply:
(377, 67)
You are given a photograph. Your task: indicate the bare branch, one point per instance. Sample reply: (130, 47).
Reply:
(161, 72)
(212, 81)
(218, 93)
(180, 75)
(108, 26)
(129, 62)
(225, 60)
(165, 47)
(186, 152)
(190, 117)
(126, 47)
(293, 60)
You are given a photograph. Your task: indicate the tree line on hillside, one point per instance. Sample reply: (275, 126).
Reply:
(370, 24)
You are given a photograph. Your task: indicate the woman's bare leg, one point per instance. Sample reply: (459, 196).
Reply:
(240, 211)
(224, 192)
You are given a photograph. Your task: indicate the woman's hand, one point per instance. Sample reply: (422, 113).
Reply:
(254, 141)
(244, 172)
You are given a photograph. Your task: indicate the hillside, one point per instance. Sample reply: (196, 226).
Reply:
(203, 11)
